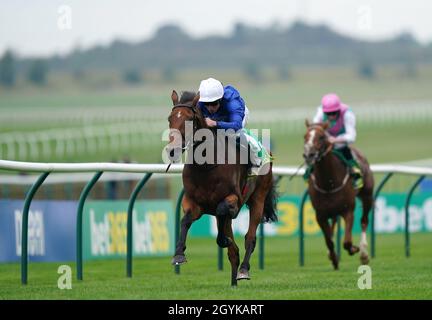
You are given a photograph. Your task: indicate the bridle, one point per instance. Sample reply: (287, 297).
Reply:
(195, 120)
(323, 151)
(319, 156)
(190, 107)
(194, 124)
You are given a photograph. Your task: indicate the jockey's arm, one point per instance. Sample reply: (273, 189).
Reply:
(350, 134)
(319, 116)
(235, 119)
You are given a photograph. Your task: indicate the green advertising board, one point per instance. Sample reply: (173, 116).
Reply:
(105, 229)
(389, 217)
(153, 223)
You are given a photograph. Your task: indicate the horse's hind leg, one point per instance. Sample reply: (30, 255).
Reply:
(366, 197)
(326, 229)
(227, 209)
(233, 251)
(192, 213)
(256, 207)
(367, 203)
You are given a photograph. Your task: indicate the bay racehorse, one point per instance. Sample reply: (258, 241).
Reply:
(332, 193)
(218, 189)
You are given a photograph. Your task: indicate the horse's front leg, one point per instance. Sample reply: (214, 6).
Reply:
(348, 245)
(192, 213)
(326, 229)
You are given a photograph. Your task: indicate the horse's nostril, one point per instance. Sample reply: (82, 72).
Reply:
(171, 153)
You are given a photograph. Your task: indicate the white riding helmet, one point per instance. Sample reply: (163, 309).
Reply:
(210, 90)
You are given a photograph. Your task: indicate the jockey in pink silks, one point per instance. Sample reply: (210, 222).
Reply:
(342, 131)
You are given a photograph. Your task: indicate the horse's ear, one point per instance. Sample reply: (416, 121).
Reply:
(326, 125)
(175, 98)
(307, 123)
(195, 100)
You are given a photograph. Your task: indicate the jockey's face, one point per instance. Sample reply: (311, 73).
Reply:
(332, 116)
(212, 107)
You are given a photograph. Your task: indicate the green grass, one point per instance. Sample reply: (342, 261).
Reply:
(380, 144)
(403, 142)
(393, 275)
(305, 88)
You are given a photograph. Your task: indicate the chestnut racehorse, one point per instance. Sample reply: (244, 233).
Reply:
(219, 190)
(332, 192)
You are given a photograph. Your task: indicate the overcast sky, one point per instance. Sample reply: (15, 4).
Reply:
(43, 27)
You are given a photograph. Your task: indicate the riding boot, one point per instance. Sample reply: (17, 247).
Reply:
(258, 156)
(354, 168)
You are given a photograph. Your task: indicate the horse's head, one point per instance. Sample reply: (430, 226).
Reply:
(316, 143)
(184, 109)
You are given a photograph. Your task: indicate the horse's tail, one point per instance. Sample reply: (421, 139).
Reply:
(270, 205)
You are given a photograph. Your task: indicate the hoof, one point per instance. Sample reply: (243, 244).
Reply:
(334, 259)
(335, 265)
(364, 259)
(243, 275)
(354, 250)
(178, 260)
(223, 242)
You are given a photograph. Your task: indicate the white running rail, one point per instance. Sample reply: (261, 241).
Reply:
(161, 168)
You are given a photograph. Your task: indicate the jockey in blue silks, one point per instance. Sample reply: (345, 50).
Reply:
(224, 108)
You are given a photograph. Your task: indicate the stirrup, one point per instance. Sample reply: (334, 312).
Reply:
(254, 169)
(358, 183)
(357, 177)
(356, 172)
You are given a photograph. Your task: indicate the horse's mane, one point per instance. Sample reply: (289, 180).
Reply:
(187, 96)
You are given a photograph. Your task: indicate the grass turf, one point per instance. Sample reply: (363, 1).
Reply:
(393, 275)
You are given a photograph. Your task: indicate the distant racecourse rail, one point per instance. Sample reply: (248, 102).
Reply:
(149, 170)
(86, 130)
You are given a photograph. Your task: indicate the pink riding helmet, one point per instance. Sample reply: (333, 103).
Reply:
(331, 103)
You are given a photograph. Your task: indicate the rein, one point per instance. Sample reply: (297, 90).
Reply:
(326, 152)
(297, 171)
(186, 147)
(195, 127)
(183, 105)
(320, 156)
